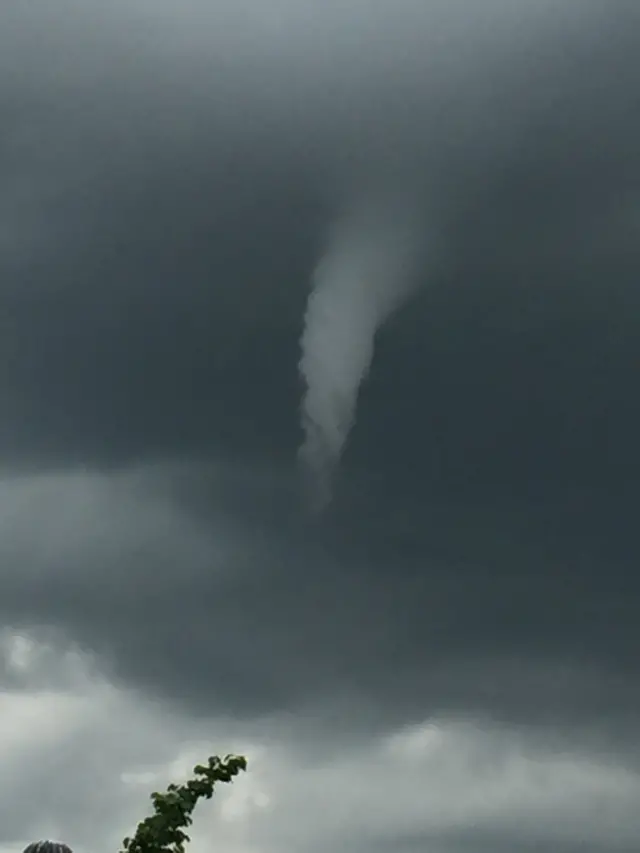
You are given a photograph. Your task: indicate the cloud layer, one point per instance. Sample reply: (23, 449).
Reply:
(170, 175)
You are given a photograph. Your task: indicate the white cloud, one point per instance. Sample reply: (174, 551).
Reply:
(442, 779)
(79, 762)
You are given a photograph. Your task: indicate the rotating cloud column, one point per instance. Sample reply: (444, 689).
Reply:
(366, 272)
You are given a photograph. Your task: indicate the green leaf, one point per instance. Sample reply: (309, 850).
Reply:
(162, 831)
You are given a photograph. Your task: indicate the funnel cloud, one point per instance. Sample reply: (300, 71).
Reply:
(366, 272)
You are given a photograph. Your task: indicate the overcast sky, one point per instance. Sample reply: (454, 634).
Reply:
(446, 659)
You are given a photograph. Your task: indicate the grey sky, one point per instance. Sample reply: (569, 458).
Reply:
(169, 173)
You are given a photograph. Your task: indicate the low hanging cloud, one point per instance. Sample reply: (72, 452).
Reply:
(366, 273)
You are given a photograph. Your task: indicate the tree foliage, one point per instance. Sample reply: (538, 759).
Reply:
(164, 831)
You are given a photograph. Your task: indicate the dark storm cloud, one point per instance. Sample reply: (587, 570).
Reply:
(164, 167)
(231, 616)
(170, 176)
